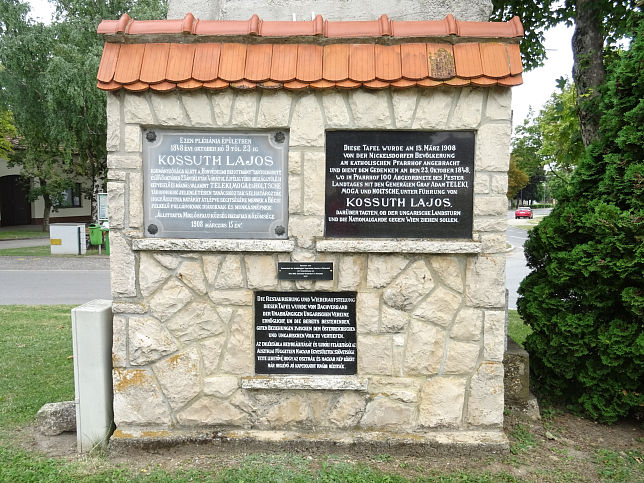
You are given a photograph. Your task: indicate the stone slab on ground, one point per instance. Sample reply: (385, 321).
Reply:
(56, 418)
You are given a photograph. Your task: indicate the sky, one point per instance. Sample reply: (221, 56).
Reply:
(537, 87)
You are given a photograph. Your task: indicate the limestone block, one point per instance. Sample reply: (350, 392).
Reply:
(169, 261)
(132, 137)
(382, 269)
(135, 209)
(462, 357)
(211, 411)
(113, 122)
(288, 410)
(485, 404)
(225, 313)
(197, 105)
(211, 265)
(335, 109)
(424, 351)
(347, 410)
(116, 175)
(245, 109)
(494, 335)
(350, 271)
(313, 181)
(404, 102)
(55, 418)
(398, 343)
(467, 114)
(499, 103)
(191, 273)
(197, 320)
(481, 183)
(439, 308)
(307, 123)
(499, 183)
(230, 273)
(274, 109)
(367, 312)
(168, 109)
(409, 287)
(148, 341)
(261, 272)
(172, 297)
(393, 320)
(493, 147)
(493, 242)
(129, 308)
(490, 223)
(490, 205)
(122, 274)
(239, 355)
(211, 350)
(374, 354)
(124, 161)
(136, 109)
(383, 413)
(119, 341)
(302, 255)
(442, 400)
(449, 270)
(468, 324)
(151, 274)
(222, 102)
(231, 297)
(295, 162)
(220, 386)
(116, 199)
(294, 193)
(433, 108)
(305, 228)
(485, 281)
(137, 399)
(370, 108)
(179, 377)
(401, 389)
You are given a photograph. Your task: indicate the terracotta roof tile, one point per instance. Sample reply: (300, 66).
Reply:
(347, 64)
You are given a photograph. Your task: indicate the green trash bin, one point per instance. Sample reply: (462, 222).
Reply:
(95, 234)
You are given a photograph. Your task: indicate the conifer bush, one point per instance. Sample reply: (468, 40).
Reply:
(584, 298)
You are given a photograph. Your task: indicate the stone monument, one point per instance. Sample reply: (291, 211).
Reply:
(307, 223)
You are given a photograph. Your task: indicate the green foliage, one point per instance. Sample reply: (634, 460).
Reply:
(7, 133)
(584, 298)
(517, 330)
(517, 179)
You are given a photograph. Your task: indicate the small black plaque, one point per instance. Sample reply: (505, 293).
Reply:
(408, 184)
(305, 270)
(305, 333)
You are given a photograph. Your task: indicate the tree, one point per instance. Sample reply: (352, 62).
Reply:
(49, 82)
(7, 133)
(517, 179)
(584, 298)
(597, 23)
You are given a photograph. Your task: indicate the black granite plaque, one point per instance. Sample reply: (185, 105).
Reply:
(399, 184)
(305, 270)
(305, 333)
(205, 184)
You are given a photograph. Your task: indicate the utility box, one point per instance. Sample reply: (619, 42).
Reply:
(92, 340)
(67, 238)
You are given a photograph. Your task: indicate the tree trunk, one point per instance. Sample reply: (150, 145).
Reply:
(47, 202)
(588, 67)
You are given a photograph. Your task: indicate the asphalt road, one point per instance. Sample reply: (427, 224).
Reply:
(53, 280)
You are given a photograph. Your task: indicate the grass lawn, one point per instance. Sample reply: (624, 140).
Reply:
(43, 251)
(516, 328)
(35, 232)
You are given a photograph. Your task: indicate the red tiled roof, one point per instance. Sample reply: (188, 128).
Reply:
(374, 54)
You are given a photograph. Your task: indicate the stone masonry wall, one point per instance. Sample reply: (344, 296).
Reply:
(430, 323)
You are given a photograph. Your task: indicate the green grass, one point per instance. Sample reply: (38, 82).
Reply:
(36, 232)
(43, 251)
(620, 465)
(35, 368)
(516, 328)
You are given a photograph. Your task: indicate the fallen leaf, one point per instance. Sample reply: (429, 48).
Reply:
(70, 357)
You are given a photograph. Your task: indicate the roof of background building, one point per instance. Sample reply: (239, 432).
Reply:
(187, 54)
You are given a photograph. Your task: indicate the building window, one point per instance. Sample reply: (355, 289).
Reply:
(71, 197)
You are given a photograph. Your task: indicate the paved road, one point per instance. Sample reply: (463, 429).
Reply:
(53, 280)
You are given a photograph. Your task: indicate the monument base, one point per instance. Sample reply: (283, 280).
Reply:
(436, 442)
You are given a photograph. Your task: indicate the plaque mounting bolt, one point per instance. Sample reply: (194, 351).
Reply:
(151, 136)
(280, 230)
(279, 138)
(153, 229)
